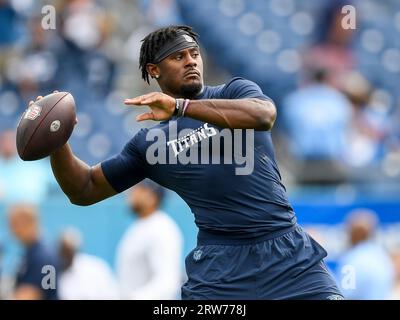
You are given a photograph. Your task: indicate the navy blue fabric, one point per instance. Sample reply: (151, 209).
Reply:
(30, 270)
(249, 244)
(241, 206)
(289, 266)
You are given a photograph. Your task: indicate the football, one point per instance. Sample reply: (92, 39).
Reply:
(45, 126)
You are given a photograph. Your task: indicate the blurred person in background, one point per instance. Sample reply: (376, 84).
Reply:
(1, 270)
(149, 254)
(11, 28)
(21, 181)
(395, 295)
(317, 118)
(161, 13)
(34, 66)
(83, 276)
(94, 21)
(88, 65)
(366, 260)
(30, 278)
(332, 50)
(370, 125)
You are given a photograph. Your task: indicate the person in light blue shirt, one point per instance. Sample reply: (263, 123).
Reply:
(317, 118)
(21, 181)
(365, 271)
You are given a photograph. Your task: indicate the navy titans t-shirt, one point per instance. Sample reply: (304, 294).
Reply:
(182, 154)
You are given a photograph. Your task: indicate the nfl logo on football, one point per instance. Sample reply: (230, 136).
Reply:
(33, 112)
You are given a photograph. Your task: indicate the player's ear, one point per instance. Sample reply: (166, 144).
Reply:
(153, 70)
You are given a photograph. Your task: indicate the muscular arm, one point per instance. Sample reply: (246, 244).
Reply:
(83, 185)
(249, 113)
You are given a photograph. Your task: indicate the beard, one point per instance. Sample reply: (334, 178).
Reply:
(191, 90)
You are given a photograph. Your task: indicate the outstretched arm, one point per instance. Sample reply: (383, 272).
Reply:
(83, 185)
(248, 113)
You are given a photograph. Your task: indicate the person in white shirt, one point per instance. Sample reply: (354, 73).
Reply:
(84, 276)
(149, 254)
(365, 271)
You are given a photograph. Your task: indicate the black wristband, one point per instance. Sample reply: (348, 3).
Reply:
(178, 107)
(176, 111)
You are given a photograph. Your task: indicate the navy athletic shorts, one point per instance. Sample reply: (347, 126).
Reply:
(287, 264)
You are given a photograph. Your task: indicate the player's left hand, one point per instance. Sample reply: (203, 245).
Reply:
(162, 106)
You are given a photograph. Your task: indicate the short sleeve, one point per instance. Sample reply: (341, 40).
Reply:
(240, 88)
(128, 168)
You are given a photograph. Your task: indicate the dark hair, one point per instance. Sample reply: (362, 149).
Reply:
(153, 42)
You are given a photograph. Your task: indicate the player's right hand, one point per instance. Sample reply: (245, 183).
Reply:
(162, 106)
